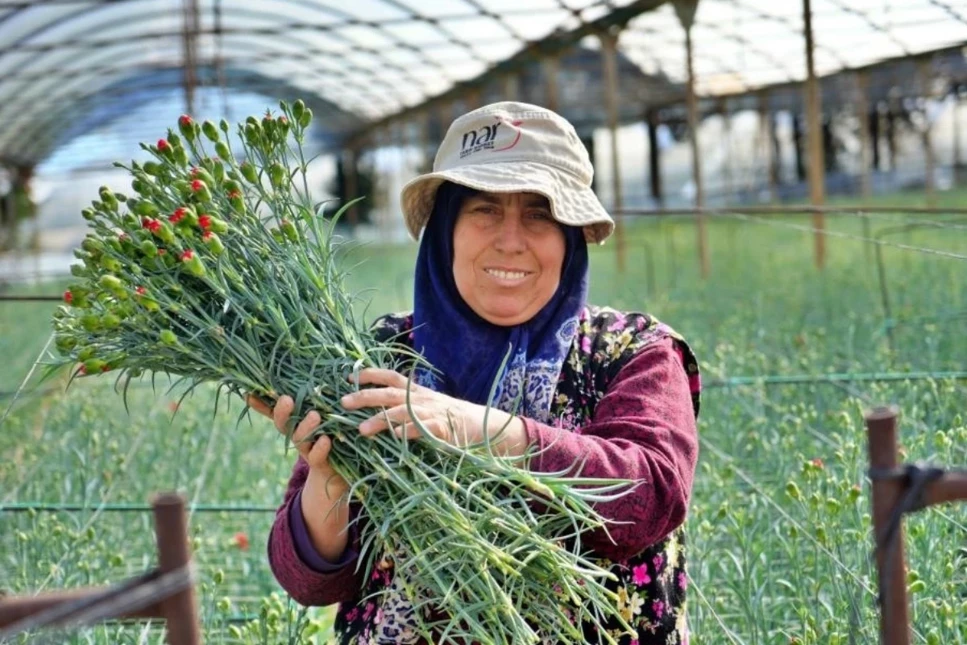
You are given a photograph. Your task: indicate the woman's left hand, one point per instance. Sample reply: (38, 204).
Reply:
(457, 422)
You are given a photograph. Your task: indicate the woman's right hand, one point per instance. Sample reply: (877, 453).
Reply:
(325, 506)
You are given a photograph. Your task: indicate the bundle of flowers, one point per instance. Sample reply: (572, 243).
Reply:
(220, 269)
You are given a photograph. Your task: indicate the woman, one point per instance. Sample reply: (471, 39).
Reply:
(503, 263)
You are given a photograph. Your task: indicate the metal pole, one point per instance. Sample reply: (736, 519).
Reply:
(551, 66)
(609, 46)
(685, 9)
(728, 188)
(171, 529)
(926, 91)
(958, 152)
(881, 425)
(350, 157)
(814, 132)
(866, 149)
(189, 37)
(765, 131)
(654, 158)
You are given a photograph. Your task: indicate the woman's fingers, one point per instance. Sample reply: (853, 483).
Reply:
(258, 405)
(379, 376)
(381, 421)
(282, 411)
(384, 397)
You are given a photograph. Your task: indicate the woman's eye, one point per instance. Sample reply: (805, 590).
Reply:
(540, 215)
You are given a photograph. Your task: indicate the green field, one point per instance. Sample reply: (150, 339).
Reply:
(780, 546)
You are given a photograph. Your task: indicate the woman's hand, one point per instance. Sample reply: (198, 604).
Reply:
(325, 506)
(457, 422)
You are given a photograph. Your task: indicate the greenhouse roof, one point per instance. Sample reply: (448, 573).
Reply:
(68, 66)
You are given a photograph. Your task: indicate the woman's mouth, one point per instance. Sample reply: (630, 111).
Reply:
(507, 276)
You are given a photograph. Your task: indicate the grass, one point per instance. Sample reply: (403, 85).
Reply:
(779, 525)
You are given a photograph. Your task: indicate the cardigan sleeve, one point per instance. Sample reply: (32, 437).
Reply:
(298, 568)
(643, 429)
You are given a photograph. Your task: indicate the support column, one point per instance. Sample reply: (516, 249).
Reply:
(588, 141)
(609, 54)
(874, 119)
(551, 67)
(814, 132)
(190, 26)
(350, 169)
(727, 175)
(925, 73)
(654, 159)
(863, 115)
(958, 152)
(766, 129)
(685, 9)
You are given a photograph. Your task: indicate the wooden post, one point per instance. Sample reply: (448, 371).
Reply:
(814, 133)
(171, 529)
(881, 424)
(609, 47)
(685, 9)
(551, 65)
(925, 73)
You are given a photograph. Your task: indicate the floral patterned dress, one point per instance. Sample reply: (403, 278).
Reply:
(651, 586)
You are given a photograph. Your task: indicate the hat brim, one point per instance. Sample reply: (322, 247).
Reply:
(572, 202)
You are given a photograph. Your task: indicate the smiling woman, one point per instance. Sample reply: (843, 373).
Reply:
(500, 298)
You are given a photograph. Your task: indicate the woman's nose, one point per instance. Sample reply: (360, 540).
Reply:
(510, 237)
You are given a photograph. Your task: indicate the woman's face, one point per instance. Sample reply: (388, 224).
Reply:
(507, 255)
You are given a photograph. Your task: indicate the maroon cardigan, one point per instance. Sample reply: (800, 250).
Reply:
(656, 442)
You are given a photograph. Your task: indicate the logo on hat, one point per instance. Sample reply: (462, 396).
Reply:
(484, 138)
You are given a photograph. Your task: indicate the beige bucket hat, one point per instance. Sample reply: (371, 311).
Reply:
(512, 147)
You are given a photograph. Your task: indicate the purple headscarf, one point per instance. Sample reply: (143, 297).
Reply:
(466, 349)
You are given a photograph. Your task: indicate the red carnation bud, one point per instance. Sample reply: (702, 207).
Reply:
(68, 297)
(207, 235)
(151, 224)
(140, 291)
(817, 463)
(205, 222)
(163, 144)
(122, 236)
(83, 370)
(234, 194)
(162, 251)
(177, 216)
(282, 119)
(187, 255)
(197, 185)
(184, 120)
(194, 172)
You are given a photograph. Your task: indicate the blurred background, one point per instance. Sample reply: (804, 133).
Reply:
(82, 83)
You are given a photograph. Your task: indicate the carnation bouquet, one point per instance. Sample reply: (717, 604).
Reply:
(220, 269)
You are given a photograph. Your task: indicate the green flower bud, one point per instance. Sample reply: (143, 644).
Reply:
(306, 118)
(168, 337)
(79, 271)
(90, 322)
(110, 321)
(111, 283)
(181, 157)
(65, 343)
(224, 126)
(203, 175)
(110, 264)
(214, 243)
(221, 149)
(210, 131)
(85, 353)
(195, 267)
(298, 109)
(253, 135)
(144, 208)
(219, 172)
(217, 225)
(89, 214)
(792, 490)
(248, 171)
(188, 127)
(277, 175)
(149, 249)
(92, 245)
(289, 230)
(153, 168)
(108, 198)
(277, 235)
(174, 139)
(94, 365)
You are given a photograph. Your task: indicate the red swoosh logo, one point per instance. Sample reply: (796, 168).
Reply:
(516, 139)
